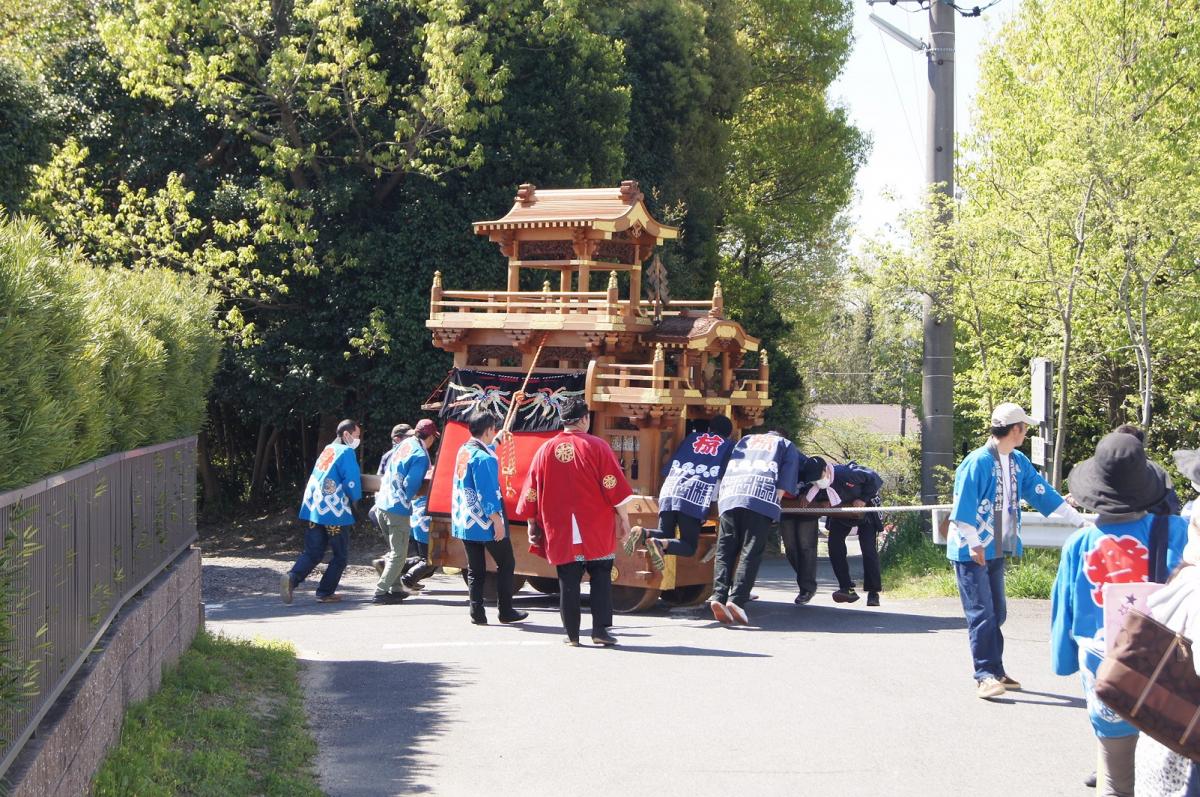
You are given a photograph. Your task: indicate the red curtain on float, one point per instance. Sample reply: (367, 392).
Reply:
(453, 436)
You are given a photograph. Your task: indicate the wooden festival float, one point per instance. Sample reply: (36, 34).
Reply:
(652, 369)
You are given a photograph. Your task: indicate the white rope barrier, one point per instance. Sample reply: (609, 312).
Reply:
(858, 510)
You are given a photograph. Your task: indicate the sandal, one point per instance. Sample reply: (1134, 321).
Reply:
(329, 598)
(635, 537)
(655, 553)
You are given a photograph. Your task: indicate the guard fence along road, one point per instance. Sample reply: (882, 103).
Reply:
(80, 544)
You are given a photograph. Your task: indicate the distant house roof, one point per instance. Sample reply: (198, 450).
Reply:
(877, 418)
(606, 209)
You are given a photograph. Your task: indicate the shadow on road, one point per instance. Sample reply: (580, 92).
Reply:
(375, 723)
(1052, 699)
(688, 650)
(840, 620)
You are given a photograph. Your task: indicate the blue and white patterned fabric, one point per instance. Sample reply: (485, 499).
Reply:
(760, 466)
(334, 483)
(419, 522)
(476, 495)
(1092, 557)
(977, 492)
(402, 477)
(692, 476)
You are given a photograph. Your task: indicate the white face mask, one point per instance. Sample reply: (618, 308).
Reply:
(354, 441)
(826, 478)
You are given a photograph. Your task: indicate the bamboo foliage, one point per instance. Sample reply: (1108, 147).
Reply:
(94, 360)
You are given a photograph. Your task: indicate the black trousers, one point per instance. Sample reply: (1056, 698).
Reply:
(740, 544)
(417, 567)
(506, 563)
(867, 529)
(570, 576)
(799, 535)
(689, 533)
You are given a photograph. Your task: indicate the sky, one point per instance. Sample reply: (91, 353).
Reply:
(885, 89)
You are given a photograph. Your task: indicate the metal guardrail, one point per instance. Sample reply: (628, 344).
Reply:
(98, 534)
(1037, 531)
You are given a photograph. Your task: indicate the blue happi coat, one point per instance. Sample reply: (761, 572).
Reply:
(420, 519)
(402, 477)
(1092, 557)
(977, 492)
(759, 465)
(334, 483)
(476, 494)
(693, 473)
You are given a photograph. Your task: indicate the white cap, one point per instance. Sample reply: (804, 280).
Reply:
(1009, 413)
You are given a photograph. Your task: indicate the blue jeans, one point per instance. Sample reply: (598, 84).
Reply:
(982, 591)
(316, 540)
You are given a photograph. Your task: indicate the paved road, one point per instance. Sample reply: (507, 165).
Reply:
(816, 700)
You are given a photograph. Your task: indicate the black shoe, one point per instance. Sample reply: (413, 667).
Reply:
(514, 616)
(389, 597)
(604, 639)
(412, 586)
(804, 597)
(1090, 781)
(845, 596)
(872, 598)
(478, 617)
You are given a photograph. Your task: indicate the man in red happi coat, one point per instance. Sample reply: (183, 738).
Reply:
(573, 498)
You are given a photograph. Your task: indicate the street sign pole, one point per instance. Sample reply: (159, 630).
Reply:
(1041, 409)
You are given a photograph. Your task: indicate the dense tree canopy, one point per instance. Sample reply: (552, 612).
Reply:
(316, 160)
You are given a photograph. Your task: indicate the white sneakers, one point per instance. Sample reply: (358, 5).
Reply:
(989, 687)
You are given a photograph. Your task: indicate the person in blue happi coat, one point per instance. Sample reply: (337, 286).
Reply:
(1126, 490)
(477, 518)
(333, 489)
(688, 490)
(403, 478)
(417, 568)
(985, 526)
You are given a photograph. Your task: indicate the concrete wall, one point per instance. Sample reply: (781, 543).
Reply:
(149, 633)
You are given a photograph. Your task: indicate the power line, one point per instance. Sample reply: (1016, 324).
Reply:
(903, 110)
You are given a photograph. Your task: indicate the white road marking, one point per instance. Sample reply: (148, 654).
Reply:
(465, 644)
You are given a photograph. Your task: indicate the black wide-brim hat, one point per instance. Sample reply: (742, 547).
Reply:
(1117, 479)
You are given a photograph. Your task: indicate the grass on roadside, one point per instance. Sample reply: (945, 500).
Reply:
(228, 721)
(914, 567)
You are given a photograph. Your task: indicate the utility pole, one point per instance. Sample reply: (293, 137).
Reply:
(937, 362)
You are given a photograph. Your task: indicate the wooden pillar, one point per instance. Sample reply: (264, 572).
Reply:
(613, 298)
(435, 296)
(585, 279)
(764, 370)
(635, 282)
(726, 372)
(647, 459)
(564, 285)
(660, 367)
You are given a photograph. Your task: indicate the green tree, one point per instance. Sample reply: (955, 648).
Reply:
(791, 170)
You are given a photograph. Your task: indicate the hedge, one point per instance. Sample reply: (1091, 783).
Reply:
(94, 361)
